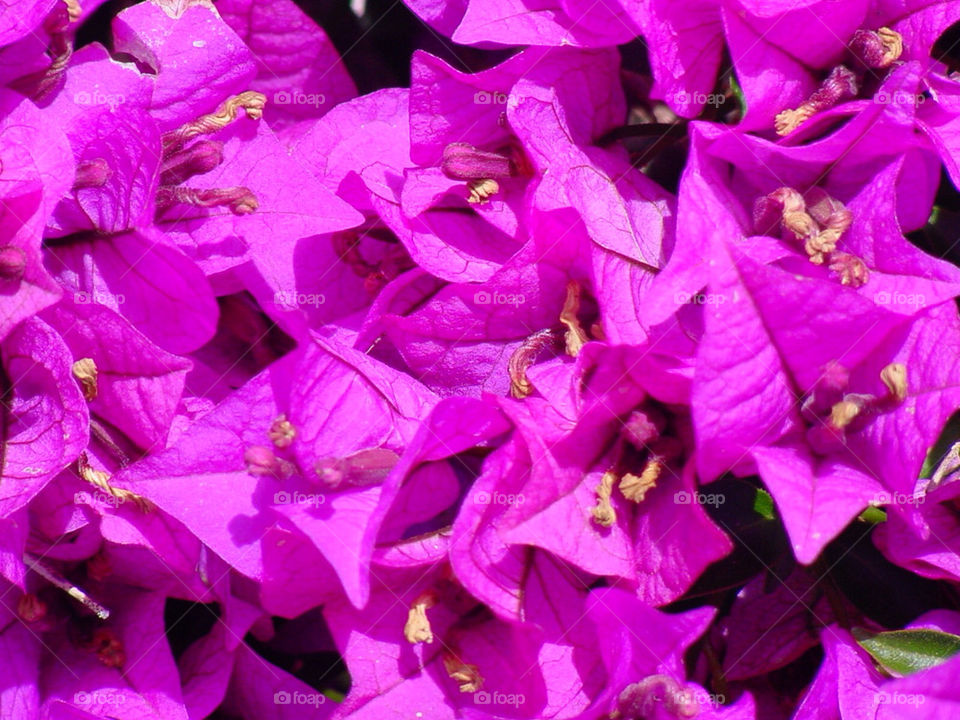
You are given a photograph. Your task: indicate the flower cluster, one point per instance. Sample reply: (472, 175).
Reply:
(479, 359)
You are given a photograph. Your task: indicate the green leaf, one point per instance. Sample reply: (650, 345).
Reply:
(763, 505)
(903, 652)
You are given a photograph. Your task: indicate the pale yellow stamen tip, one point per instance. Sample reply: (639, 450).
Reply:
(482, 190)
(635, 487)
(417, 628)
(604, 514)
(894, 376)
(789, 120)
(282, 432)
(893, 43)
(85, 371)
(74, 11)
(843, 413)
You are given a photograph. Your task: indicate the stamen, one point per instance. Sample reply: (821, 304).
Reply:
(85, 372)
(787, 206)
(72, 590)
(482, 190)
(840, 84)
(417, 628)
(252, 102)
(201, 157)
(73, 10)
(642, 700)
(852, 270)
(604, 514)
(282, 432)
(92, 173)
(877, 49)
(894, 376)
(467, 676)
(635, 487)
(575, 336)
(101, 480)
(13, 263)
(240, 200)
(522, 358)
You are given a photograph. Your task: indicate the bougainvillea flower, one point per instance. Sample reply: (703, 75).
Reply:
(135, 386)
(45, 420)
(21, 18)
(116, 145)
(866, 196)
(423, 642)
(605, 463)
(367, 169)
(143, 276)
(521, 22)
(37, 170)
(198, 60)
(298, 68)
(826, 422)
(642, 650)
(292, 465)
(768, 628)
(849, 685)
